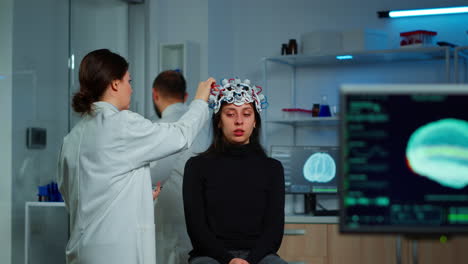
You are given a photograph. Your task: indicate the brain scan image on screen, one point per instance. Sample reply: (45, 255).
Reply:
(439, 151)
(319, 167)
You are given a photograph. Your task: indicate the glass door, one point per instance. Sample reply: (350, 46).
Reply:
(95, 24)
(50, 38)
(40, 103)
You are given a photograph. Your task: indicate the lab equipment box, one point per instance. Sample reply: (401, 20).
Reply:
(364, 39)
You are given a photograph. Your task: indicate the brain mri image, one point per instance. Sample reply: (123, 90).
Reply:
(319, 167)
(439, 151)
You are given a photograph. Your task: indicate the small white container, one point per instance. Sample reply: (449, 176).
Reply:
(364, 39)
(299, 203)
(321, 41)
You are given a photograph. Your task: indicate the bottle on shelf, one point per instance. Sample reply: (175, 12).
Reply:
(324, 108)
(284, 49)
(315, 109)
(292, 47)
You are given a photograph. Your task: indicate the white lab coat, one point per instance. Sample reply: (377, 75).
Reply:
(104, 178)
(172, 241)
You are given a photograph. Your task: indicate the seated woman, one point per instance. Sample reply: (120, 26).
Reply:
(233, 193)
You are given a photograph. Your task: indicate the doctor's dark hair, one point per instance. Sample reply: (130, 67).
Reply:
(221, 145)
(171, 84)
(97, 70)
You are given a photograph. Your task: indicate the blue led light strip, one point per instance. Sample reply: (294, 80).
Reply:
(344, 57)
(427, 12)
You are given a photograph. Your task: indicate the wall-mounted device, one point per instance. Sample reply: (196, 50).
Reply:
(36, 138)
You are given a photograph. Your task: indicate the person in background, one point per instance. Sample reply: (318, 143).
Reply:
(103, 168)
(172, 241)
(233, 193)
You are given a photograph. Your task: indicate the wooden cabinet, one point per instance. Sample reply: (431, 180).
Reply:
(455, 250)
(360, 249)
(343, 248)
(323, 244)
(305, 243)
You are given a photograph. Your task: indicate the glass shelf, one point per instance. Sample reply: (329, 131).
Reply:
(460, 68)
(462, 51)
(45, 204)
(307, 121)
(364, 57)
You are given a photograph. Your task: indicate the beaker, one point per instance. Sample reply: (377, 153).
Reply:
(324, 107)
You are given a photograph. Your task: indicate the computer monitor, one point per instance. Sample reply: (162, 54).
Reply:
(308, 169)
(404, 158)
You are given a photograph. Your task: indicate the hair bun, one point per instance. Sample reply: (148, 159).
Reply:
(82, 102)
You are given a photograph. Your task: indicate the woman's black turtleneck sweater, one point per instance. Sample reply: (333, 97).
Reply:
(234, 200)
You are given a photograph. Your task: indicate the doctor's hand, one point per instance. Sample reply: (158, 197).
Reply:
(157, 190)
(238, 261)
(204, 88)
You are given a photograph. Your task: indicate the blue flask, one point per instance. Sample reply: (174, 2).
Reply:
(324, 108)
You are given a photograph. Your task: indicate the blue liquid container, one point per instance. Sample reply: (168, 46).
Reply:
(324, 111)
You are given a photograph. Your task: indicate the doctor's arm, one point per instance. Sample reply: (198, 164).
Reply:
(146, 141)
(157, 191)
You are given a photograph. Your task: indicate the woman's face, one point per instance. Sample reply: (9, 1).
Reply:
(237, 123)
(125, 91)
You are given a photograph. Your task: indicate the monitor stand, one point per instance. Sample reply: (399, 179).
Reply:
(414, 245)
(313, 207)
(414, 251)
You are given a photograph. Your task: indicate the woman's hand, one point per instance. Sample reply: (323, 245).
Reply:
(238, 261)
(204, 88)
(157, 190)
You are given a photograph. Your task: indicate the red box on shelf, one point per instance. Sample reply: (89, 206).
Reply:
(417, 38)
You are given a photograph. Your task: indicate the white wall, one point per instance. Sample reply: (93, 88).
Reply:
(6, 32)
(97, 24)
(40, 99)
(136, 56)
(151, 52)
(181, 20)
(221, 39)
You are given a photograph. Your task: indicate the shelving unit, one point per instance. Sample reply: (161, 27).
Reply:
(460, 57)
(304, 236)
(358, 58)
(303, 121)
(298, 125)
(45, 221)
(370, 56)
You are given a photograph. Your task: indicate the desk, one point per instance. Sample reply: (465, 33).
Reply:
(310, 219)
(317, 240)
(46, 232)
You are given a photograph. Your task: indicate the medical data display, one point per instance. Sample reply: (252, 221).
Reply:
(405, 159)
(308, 169)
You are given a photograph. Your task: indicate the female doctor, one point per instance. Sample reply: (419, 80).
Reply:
(103, 169)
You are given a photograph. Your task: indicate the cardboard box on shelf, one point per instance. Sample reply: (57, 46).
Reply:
(338, 41)
(321, 42)
(364, 39)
